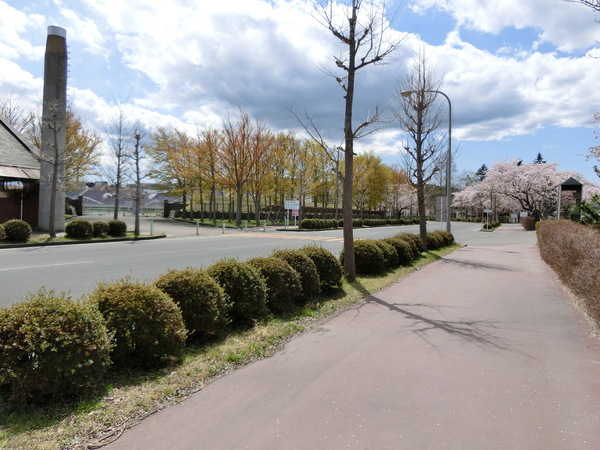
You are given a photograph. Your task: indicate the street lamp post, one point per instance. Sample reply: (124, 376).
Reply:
(449, 162)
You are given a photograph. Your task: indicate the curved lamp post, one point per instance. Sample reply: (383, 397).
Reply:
(449, 163)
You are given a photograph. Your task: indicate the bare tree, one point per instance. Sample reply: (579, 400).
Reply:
(420, 116)
(361, 28)
(137, 158)
(120, 131)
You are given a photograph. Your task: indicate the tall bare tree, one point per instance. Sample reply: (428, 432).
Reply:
(362, 29)
(120, 130)
(420, 116)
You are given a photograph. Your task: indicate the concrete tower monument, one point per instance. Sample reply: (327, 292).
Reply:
(54, 133)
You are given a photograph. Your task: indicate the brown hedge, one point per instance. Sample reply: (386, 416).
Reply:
(573, 251)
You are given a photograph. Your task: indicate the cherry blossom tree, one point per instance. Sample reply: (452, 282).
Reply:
(510, 187)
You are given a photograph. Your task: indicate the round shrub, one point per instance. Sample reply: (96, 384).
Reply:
(368, 258)
(17, 230)
(245, 288)
(147, 325)
(283, 283)
(2, 232)
(79, 228)
(434, 241)
(117, 228)
(309, 277)
(328, 267)
(201, 300)
(100, 229)
(51, 348)
(403, 250)
(389, 253)
(415, 241)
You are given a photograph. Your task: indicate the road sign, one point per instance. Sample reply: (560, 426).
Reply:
(294, 213)
(292, 204)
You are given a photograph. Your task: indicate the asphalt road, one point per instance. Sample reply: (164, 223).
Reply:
(480, 350)
(76, 269)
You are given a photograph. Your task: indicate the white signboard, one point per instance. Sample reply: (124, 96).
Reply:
(294, 213)
(292, 204)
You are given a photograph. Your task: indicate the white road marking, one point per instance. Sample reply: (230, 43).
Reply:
(47, 265)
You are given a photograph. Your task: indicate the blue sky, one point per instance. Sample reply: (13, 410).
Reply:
(522, 76)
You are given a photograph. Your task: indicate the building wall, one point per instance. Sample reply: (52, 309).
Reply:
(10, 208)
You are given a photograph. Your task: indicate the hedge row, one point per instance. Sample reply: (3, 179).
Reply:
(15, 230)
(84, 229)
(573, 251)
(377, 256)
(53, 348)
(314, 224)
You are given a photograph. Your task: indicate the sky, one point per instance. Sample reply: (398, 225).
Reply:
(522, 76)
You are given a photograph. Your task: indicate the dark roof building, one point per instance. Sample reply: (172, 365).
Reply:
(19, 176)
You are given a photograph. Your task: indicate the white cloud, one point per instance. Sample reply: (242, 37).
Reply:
(568, 26)
(13, 23)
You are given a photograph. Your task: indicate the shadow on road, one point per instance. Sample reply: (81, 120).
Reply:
(475, 331)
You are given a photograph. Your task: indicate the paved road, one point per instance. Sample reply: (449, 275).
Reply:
(480, 350)
(77, 269)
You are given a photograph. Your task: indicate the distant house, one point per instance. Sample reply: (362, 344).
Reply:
(19, 177)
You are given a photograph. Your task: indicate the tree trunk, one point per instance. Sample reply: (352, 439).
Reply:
(422, 214)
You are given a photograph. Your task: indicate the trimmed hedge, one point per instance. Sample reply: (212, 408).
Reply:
(403, 250)
(245, 289)
(306, 268)
(368, 257)
(389, 253)
(17, 230)
(51, 348)
(328, 267)
(200, 298)
(117, 228)
(79, 229)
(283, 283)
(2, 232)
(573, 251)
(100, 229)
(415, 242)
(315, 224)
(147, 325)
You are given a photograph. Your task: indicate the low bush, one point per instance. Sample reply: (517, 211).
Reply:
(51, 348)
(403, 250)
(389, 253)
(434, 241)
(147, 325)
(306, 268)
(17, 230)
(117, 228)
(200, 298)
(100, 229)
(328, 267)
(2, 232)
(415, 242)
(573, 251)
(245, 288)
(528, 223)
(283, 283)
(79, 229)
(315, 224)
(368, 257)
(375, 222)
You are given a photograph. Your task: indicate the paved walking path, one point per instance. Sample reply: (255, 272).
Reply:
(480, 350)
